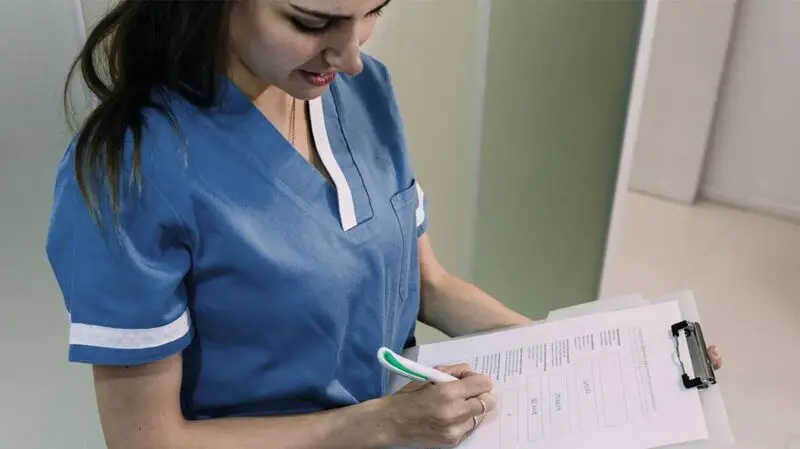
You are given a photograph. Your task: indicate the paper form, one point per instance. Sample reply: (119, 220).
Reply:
(608, 380)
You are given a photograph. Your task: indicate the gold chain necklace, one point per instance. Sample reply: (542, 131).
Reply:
(292, 115)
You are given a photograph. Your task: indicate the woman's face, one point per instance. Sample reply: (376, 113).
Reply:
(299, 45)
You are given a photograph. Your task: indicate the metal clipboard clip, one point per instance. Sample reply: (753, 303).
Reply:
(698, 354)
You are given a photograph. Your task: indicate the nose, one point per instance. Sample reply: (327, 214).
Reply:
(345, 56)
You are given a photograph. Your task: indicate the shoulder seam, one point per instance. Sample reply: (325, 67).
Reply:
(165, 198)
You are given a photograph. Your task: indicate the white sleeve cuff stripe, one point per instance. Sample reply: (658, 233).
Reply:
(420, 206)
(112, 338)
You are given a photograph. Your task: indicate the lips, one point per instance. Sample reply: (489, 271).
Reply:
(319, 79)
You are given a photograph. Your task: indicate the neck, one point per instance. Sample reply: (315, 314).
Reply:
(270, 100)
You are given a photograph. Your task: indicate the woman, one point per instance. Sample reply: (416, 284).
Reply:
(237, 229)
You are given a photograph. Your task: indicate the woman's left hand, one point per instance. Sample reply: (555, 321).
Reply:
(714, 355)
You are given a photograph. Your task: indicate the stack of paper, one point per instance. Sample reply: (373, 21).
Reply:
(603, 380)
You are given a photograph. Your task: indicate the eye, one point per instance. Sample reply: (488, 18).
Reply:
(320, 28)
(311, 29)
(376, 13)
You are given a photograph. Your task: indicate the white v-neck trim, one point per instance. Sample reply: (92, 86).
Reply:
(347, 209)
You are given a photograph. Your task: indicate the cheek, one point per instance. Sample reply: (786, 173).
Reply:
(274, 50)
(365, 32)
(289, 48)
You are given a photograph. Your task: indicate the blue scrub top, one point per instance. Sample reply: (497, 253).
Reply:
(277, 286)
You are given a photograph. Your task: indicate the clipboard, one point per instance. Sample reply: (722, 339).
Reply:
(697, 370)
(690, 353)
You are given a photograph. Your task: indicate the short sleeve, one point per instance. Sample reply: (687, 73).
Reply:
(122, 283)
(422, 212)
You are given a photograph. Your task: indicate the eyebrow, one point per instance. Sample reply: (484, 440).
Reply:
(332, 16)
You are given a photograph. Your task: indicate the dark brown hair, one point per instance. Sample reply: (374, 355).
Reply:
(139, 47)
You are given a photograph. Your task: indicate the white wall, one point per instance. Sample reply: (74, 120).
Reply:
(93, 10)
(44, 403)
(719, 107)
(754, 157)
(687, 58)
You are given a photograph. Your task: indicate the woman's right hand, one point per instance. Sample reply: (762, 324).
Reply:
(428, 415)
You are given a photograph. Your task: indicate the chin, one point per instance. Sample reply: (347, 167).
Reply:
(307, 93)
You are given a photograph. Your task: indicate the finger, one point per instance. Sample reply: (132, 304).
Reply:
(469, 386)
(714, 355)
(466, 423)
(460, 395)
(481, 419)
(460, 371)
(472, 373)
(413, 386)
(478, 406)
(473, 423)
(487, 403)
(466, 427)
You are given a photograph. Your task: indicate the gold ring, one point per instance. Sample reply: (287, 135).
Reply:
(483, 404)
(475, 421)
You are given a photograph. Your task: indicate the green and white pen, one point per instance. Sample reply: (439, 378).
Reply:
(411, 369)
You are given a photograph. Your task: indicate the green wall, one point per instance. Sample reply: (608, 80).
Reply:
(558, 77)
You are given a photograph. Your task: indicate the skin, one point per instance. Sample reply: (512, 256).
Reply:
(140, 405)
(270, 51)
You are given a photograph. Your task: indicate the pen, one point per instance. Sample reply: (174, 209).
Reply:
(411, 369)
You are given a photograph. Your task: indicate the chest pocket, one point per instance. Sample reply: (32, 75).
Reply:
(404, 204)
